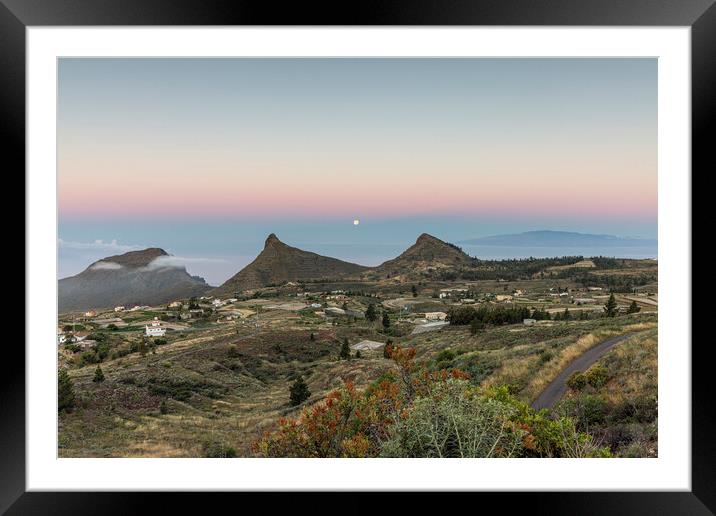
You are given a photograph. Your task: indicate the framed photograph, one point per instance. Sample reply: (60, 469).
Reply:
(420, 249)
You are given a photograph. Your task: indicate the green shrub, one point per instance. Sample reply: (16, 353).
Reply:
(597, 376)
(577, 381)
(216, 450)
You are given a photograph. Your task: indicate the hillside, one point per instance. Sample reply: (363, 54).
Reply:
(426, 254)
(133, 278)
(278, 263)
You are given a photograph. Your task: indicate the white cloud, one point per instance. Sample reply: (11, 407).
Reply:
(113, 245)
(110, 266)
(178, 261)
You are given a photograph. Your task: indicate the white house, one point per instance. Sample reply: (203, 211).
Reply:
(435, 316)
(155, 330)
(90, 313)
(316, 305)
(217, 302)
(175, 304)
(528, 322)
(119, 309)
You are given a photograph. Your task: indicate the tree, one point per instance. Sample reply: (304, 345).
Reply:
(313, 337)
(163, 408)
(370, 313)
(386, 320)
(98, 375)
(358, 353)
(566, 316)
(299, 392)
(476, 325)
(414, 291)
(345, 350)
(344, 306)
(65, 392)
(610, 308)
(633, 308)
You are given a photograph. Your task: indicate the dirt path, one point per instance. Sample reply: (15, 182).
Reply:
(555, 390)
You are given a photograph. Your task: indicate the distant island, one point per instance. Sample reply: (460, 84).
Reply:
(547, 238)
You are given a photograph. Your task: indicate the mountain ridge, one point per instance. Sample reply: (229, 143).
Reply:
(128, 279)
(548, 238)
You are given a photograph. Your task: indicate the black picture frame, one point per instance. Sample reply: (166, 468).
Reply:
(17, 15)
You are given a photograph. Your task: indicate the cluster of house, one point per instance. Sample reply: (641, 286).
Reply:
(75, 337)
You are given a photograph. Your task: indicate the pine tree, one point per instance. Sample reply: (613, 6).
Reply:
(566, 316)
(414, 291)
(386, 320)
(610, 308)
(370, 313)
(65, 392)
(345, 350)
(299, 392)
(633, 308)
(163, 408)
(313, 337)
(358, 353)
(98, 375)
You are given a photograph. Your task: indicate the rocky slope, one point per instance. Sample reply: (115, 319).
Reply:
(427, 254)
(279, 263)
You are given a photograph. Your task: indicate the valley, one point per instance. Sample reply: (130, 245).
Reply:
(209, 372)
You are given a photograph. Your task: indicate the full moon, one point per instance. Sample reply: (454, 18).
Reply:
(356, 222)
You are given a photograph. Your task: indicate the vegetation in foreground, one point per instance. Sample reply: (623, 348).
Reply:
(413, 412)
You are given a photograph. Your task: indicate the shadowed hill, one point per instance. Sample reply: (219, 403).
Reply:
(427, 253)
(133, 278)
(279, 263)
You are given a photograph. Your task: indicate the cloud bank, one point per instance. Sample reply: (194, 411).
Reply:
(109, 266)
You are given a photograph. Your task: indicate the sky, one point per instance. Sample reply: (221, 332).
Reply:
(205, 157)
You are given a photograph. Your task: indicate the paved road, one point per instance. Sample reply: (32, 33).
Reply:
(555, 390)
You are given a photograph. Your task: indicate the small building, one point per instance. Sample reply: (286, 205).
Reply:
(217, 302)
(155, 329)
(119, 309)
(334, 311)
(90, 313)
(529, 322)
(175, 304)
(316, 305)
(503, 297)
(435, 316)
